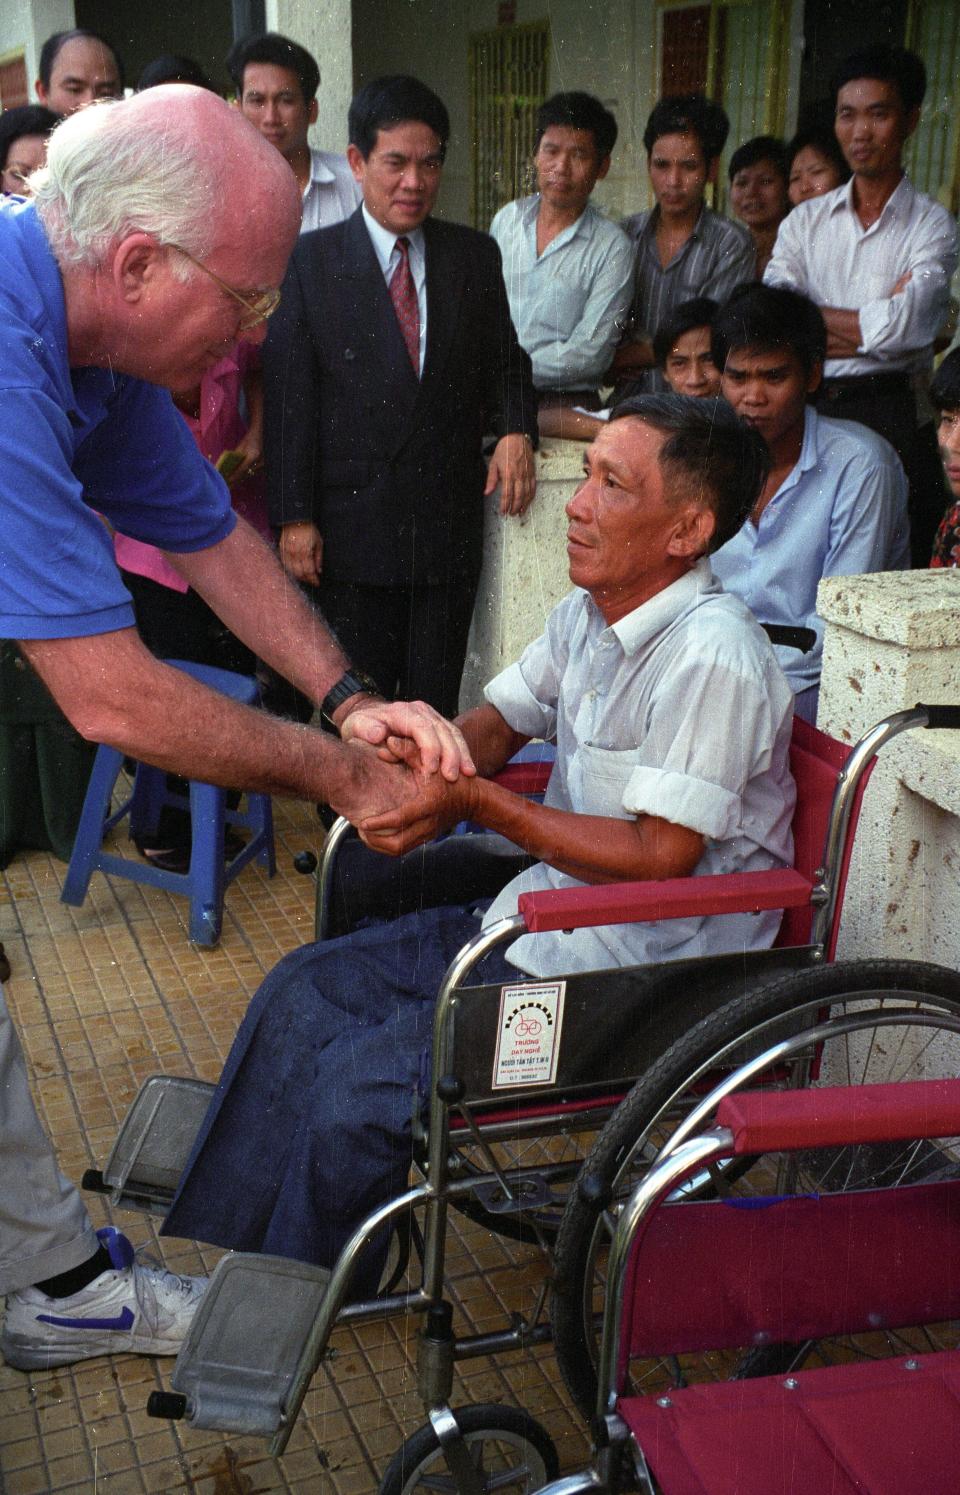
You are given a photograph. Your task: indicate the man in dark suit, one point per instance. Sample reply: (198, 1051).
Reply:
(391, 357)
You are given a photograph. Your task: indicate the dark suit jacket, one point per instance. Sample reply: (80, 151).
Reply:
(387, 466)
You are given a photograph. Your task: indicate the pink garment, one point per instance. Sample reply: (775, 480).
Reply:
(219, 428)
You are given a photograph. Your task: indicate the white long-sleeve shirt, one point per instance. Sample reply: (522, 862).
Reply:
(823, 250)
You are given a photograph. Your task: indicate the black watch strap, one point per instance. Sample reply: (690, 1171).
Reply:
(348, 685)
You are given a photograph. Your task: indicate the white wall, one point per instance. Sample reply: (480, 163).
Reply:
(323, 27)
(26, 24)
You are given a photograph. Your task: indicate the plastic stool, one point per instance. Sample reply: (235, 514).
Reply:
(207, 876)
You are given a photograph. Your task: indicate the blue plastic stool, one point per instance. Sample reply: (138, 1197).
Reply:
(207, 876)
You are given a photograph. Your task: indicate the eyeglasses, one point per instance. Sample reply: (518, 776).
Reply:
(255, 312)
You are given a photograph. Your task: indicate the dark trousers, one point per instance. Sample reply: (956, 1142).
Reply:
(180, 625)
(886, 403)
(310, 1127)
(412, 640)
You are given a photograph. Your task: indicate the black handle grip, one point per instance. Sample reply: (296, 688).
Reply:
(940, 716)
(169, 1404)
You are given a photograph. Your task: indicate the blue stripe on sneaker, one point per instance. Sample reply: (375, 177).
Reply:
(123, 1320)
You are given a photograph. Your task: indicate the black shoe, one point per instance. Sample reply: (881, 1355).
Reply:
(4, 966)
(177, 858)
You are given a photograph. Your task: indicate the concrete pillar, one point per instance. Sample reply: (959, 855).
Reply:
(26, 24)
(524, 569)
(893, 640)
(324, 28)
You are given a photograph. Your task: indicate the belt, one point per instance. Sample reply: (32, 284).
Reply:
(855, 384)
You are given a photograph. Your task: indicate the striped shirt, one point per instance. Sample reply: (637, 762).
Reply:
(717, 256)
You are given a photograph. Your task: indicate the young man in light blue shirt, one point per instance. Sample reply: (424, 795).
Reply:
(835, 502)
(568, 269)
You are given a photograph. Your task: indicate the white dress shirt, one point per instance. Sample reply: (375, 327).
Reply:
(332, 193)
(678, 710)
(823, 250)
(388, 257)
(568, 303)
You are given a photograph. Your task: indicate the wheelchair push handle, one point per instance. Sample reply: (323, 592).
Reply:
(940, 715)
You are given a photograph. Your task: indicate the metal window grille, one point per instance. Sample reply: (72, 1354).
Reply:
(735, 51)
(508, 83)
(931, 155)
(13, 81)
(685, 50)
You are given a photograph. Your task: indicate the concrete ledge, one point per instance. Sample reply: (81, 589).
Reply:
(524, 571)
(917, 609)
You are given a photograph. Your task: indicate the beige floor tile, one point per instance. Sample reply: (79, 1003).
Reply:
(105, 995)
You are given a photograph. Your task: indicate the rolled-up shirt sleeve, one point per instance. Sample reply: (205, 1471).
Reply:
(893, 325)
(788, 263)
(701, 749)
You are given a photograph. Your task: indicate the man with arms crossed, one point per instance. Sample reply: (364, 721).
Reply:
(876, 256)
(104, 296)
(672, 723)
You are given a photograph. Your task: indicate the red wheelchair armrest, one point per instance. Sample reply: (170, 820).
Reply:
(524, 778)
(673, 898)
(828, 1116)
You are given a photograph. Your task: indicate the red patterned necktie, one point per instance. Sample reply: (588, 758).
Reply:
(403, 294)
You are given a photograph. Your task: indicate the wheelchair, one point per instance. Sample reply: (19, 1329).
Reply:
(506, 1147)
(798, 1328)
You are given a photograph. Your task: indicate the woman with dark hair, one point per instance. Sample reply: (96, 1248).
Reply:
(944, 394)
(758, 192)
(173, 67)
(23, 145)
(815, 164)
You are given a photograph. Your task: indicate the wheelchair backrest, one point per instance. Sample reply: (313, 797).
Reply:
(815, 762)
(849, 1258)
(731, 1273)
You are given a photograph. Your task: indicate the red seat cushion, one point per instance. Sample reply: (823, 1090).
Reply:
(874, 1428)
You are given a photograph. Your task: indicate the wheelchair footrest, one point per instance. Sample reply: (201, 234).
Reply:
(154, 1143)
(238, 1362)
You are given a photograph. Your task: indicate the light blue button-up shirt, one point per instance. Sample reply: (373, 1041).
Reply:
(678, 710)
(842, 511)
(565, 303)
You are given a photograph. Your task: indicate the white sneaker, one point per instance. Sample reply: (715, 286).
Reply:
(128, 1309)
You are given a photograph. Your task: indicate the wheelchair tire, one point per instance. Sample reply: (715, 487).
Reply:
(509, 1448)
(642, 1123)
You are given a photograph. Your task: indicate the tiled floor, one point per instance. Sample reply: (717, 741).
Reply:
(105, 995)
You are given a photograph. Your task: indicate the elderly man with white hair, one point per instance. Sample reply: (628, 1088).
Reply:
(157, 236)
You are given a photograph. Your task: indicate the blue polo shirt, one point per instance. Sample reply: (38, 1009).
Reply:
(75, 442)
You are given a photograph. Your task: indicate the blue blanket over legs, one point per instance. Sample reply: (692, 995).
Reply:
(309, 1129)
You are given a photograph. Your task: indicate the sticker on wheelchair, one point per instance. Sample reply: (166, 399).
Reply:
(528, 1034)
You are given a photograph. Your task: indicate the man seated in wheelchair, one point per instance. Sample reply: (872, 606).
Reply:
(672, 722)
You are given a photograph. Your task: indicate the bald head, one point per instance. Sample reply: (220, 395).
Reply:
(175, 162)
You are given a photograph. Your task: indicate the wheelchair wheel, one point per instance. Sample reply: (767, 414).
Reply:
(509, 1450)
(919, 1045)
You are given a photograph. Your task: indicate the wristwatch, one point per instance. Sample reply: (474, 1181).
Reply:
(348, 685)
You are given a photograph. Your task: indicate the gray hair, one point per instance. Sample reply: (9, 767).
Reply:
(108, 175)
